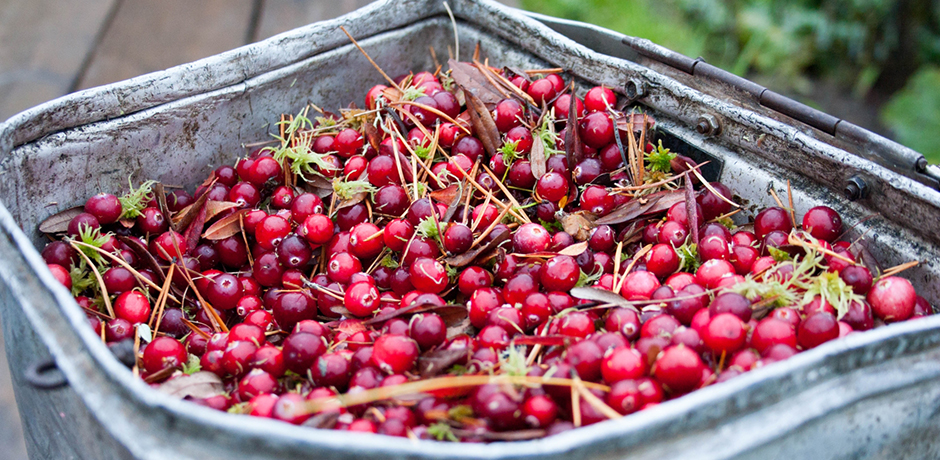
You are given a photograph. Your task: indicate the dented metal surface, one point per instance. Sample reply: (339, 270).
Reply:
(853, 398)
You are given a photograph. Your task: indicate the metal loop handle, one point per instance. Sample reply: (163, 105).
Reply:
(44, 375)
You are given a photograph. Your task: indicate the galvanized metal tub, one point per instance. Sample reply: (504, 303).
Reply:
(871, 395)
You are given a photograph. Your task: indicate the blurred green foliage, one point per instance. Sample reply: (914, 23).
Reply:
(868, 48)
(914, 113)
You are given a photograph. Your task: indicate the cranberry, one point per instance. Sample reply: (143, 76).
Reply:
(679, 368)
(823, 223)
(531, 238)
(597, 129)
(552, 186)
(394, 353)
(725, 333)
(892, 299)
(132, 306)
(301, 349)
(576, 324)
(105, 207)
(428, 330)
(731, 302)
(428, 275)
(639, 285)
(163, 353)
(770, 220)
(623, 320)
(342, 266)
(858, 277)
(623, 363)
(293, 307)
(771, 331)
(817, 329)
(508, 114)
(542, 91)
(712, 205)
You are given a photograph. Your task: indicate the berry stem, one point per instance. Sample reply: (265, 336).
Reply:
(91, 265)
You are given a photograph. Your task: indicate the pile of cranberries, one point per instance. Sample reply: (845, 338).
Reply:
(448, 260)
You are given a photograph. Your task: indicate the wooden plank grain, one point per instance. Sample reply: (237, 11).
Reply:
(282, 15)
(43, 44)
(146, 36)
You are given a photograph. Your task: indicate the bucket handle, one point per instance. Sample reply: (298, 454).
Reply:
(45, 375)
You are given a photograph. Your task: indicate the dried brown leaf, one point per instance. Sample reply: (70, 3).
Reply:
(575, 249)
(651, 204)
(451, 314)
(433, 363)
(578, 224)
(391, 94)
(214, 208)
(472, 81)
(600, 295)
(483, 124)
(59, 222)
(445, 195)
(194, 230)
(350, 326)
(199, 385)
(691, 208)
(353, 200)
(225, 227)
(537, 158)
(574, 149)
(372, 135)
(462, 327)
(324, 420)
(185, 217)
(518, 435)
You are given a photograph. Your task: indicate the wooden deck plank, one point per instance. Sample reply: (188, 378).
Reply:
(43, 44)
(147, 36)
(282, 15)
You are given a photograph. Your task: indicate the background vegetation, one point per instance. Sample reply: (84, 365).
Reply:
(873, 62)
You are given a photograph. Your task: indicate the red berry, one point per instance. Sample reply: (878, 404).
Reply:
(817, 329)
(133, 307)
(892, 299)
(361, 299)
(624, 363)
(163, 353)
(395, 354)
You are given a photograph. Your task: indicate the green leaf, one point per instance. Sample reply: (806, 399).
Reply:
(411, 93)
(688, 257)
(389, 262)
(135, 200)
(192, 365)
(660, 159)
(779, 254)
(513, 361)
(92, 237)
(588, 280)
(552, 227)
(348, 189)
(82, 278)
(831, 288)
(428, 228)
(442, 432)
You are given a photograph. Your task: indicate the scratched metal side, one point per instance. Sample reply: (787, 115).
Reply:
(872, 390)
